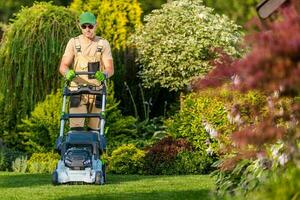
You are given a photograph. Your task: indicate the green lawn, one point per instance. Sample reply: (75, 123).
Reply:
(38, 186)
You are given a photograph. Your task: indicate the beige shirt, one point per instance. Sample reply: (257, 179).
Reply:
(87, 54)
(89, 48)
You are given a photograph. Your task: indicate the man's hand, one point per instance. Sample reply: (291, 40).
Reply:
(100, 76)
(70, 75)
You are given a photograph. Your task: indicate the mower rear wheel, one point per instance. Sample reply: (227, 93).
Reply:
(104, 173)
(55, 178)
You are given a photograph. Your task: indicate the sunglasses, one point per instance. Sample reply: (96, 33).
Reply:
(84, 26)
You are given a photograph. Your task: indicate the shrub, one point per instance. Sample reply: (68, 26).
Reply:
(7, 157)
(177, 43)
(127, 159)
(281, 186)
(42, 162)
(193, 162)
(20, 164)
(40, 131)
(161, 157)
(207, 116)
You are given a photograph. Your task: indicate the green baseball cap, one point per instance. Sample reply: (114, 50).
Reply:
(87, 18)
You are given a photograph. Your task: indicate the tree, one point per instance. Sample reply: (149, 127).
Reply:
(30, 53)
(239, 11)
(149, 5)
(9, 7)
(178, 42)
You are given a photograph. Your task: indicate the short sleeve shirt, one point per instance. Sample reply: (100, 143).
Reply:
(89, 48)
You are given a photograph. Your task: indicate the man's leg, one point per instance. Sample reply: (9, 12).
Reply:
(94, 123)
(77, 105)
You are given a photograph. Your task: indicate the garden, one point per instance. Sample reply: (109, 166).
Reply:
(204, 102)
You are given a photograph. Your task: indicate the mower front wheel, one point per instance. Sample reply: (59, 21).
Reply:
(99, 180)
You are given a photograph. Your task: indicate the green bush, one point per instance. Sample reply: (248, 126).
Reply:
(20, 164)
(284, 184)
(127, 159)
(40, 131)
(207, 116)
(42, 162)
(179, 41)
(193, 162)
(7, 157)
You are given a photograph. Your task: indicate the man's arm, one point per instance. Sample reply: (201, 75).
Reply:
(109, 67)
(65, 63)
(67, 58)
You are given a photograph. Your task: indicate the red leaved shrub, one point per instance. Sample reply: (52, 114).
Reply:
(161, 156)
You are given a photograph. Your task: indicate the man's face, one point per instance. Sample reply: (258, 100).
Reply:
(88, 30)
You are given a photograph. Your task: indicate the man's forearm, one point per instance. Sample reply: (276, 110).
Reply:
(109, 68)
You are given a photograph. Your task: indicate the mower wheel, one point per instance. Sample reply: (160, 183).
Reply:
(99, 180)
(55, 178)
(104, 173)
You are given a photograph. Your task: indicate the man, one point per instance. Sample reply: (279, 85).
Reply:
(87, 52)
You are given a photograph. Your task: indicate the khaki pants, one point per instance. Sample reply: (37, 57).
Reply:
(87, 105)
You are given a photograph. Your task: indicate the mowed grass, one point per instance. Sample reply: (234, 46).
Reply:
(38, 186)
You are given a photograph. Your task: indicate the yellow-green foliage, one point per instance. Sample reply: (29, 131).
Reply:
(207, 114)
(116, 19)
(40, 131)
(42, 162)
(127, 159)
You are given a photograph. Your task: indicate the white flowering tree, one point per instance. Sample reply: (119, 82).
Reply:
(179, 41)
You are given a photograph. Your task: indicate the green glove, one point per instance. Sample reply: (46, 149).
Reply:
(100, 76)
(70, 75)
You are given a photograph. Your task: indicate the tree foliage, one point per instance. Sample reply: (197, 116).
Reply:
(29, 56)
(116, 19)
(178, 42)
(9, 7)
(239, 11)
(149, 5)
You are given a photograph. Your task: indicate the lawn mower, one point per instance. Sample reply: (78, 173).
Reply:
(81, 150)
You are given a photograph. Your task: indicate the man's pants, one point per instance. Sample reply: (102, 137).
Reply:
(85, 104)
